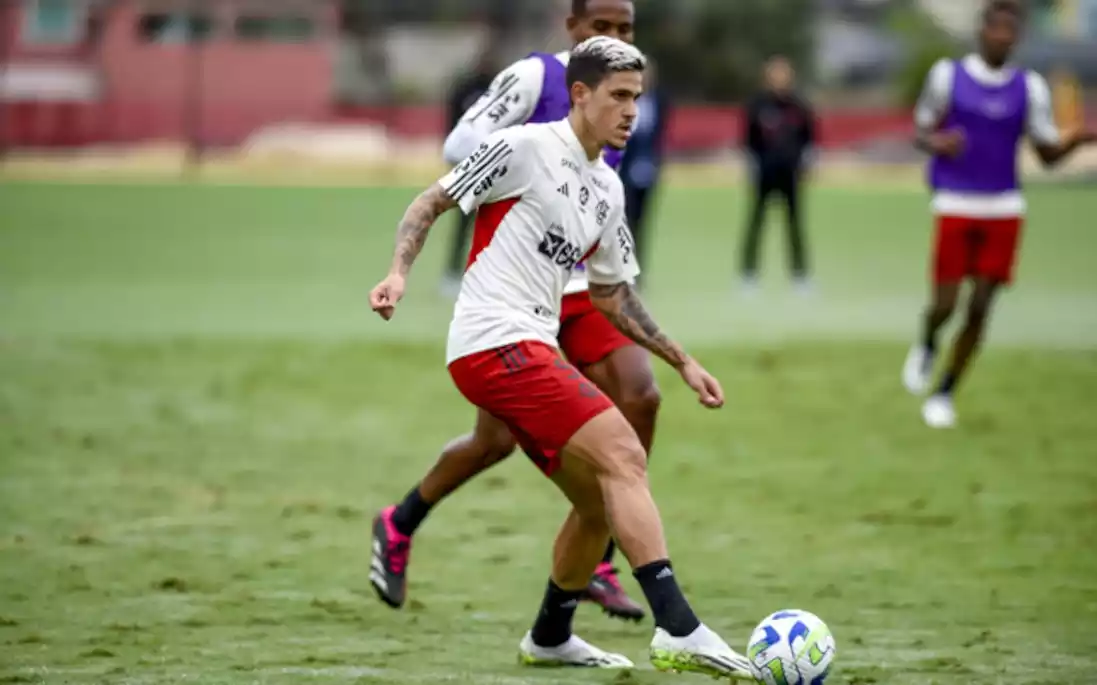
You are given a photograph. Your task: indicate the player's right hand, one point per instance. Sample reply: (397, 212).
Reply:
(385, 295)
(948, 143)
(707, 388)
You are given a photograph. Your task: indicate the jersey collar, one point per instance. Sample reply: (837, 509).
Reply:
(564, 130)
(977, 67)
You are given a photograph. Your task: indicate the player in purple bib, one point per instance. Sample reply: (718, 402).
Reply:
(533, 90)
(972, 117)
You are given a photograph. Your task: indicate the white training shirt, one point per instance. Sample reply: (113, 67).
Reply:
(1039, 122)
(510, 101)
(543, 207)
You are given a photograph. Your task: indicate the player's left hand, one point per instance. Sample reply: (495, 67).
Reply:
(385, 295)
(703, 383)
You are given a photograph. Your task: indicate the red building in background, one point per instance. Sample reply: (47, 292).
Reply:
(120, 71)
(213, 72)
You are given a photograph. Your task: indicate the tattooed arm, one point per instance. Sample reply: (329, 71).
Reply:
(410, 238)
(622, 306)
(414, 227)
(492, 173)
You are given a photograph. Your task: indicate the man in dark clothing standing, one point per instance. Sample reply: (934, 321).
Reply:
(642, 161)
(467, 89)
(780, 131)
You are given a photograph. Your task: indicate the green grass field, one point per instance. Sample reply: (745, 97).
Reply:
(199, 416)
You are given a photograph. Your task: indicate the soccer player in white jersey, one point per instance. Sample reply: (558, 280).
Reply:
(502, 352)
(972, 117)
(533, 89)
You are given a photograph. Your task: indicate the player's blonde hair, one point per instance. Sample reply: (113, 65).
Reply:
(610, 54)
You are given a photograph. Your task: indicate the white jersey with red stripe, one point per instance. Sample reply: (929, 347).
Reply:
(544, 207)
(510, 101)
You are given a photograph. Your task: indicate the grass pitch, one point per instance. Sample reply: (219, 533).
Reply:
(199, 417)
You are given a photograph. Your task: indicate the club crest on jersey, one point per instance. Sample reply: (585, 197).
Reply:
(584, 196)
(601, 212)
(556, 246)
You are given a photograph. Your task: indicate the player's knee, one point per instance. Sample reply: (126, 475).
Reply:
(642, 403)
(496, 446)
(977, 314)
(942, 310)
(627, 462)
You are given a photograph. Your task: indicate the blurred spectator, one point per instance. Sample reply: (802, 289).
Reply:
(467, 89)
(643, 160)
(780, 132)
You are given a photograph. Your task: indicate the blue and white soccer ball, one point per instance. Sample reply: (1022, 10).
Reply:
(791, 647)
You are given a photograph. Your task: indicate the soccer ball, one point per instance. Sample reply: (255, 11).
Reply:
(791, 647)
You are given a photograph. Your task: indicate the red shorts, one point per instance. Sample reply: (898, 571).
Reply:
(981, 248)
(528, 386)
(586, 335)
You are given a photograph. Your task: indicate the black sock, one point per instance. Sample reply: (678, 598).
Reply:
(611, 549)
(947, 384)
(553, 625)
(411, 512)
(671, 610)
(930, 343)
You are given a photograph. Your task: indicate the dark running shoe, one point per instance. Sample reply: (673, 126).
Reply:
(389, 565)
(605, 590)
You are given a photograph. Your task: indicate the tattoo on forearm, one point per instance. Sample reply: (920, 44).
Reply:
(622, 306)
(414, 227)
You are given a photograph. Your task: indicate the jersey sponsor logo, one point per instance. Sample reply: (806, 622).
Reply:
(476, 156)
(502, 109)
(481, 170)
(624, 241)
(601, 212)
(558, 249)
(568, 164)
(488, 181)
(496, 93)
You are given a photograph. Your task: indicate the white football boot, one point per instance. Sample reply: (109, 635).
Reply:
(702, 651)
(574, 652)
(917, 369)
(938, 412)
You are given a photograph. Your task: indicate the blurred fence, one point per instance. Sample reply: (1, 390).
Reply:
(357, 75)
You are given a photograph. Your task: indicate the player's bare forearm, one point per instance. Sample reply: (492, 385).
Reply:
(411, 235)
(922, 142)
(622, 306)
(1051, 155)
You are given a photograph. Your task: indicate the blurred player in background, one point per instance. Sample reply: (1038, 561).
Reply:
(532, 229)
(533, 90)
(779, 135)
(643, 161)
(467, 89)
(971, 118)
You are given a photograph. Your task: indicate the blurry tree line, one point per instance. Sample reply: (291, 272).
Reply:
(713, 50)
(501, 14)
(710, 50)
